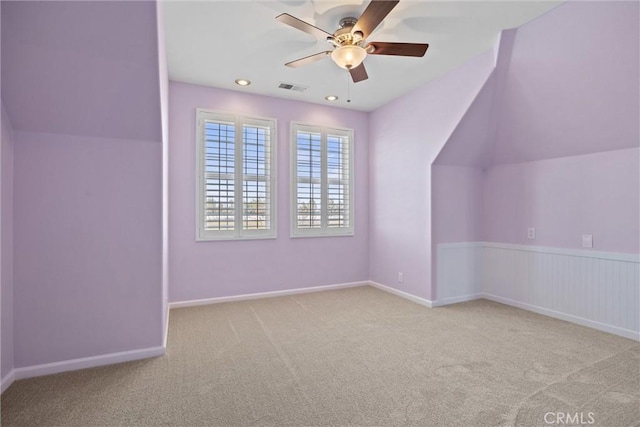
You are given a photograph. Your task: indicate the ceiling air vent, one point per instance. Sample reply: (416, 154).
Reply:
(292, 86)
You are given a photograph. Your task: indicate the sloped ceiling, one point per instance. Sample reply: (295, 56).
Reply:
(573, 84)
(471, 142)
(82, 68)
(567, 83)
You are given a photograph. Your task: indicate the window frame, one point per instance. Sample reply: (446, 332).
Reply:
(238, 233)
(324, 230)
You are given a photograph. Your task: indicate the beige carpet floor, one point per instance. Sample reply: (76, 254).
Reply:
(355, 356)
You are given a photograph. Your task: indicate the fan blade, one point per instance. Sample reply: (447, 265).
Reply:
(285, 18)
(373, 15)
(399, 49)
(359, 73)
(307, 59)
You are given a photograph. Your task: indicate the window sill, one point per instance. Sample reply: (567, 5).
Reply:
(233, 238)
(306, 236)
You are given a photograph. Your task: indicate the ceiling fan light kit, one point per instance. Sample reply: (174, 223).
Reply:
(350, 46)
(348, 56)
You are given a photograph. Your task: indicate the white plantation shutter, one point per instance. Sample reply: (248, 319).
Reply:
(235, 191)
(338, 181)
(309, 180)
(219, 175)
(256, 177)
(322, 181)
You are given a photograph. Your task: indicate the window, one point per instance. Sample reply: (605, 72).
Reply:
(235, 181)
(321, 181)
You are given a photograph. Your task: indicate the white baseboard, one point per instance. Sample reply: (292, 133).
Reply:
(455, 300)
(567, 317)
(7, 381)
(626, 333)
(405, 295)
(424, 301)
(207, 301)
(86, 362)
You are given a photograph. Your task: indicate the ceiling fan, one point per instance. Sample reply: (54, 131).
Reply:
(349, 41)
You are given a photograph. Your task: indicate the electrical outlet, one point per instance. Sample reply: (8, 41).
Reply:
(400, 278)
(531, 233)
(587, 241)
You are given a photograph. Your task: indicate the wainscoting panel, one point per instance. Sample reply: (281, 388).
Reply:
(596, 289)
(599, 287)
(459, 266)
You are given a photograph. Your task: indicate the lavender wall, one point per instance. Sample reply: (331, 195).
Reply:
(564, 198)
(471, 143)
(6, 247)
(565, 84)
(101, 73)
(87, 246)
(88, 177)
(572, 84)
(456, 201)
(456, 216)
(406, 135)
(457, 176)
(215, 269)
(570, 125)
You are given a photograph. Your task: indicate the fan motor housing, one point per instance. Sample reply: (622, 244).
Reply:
(344, 37)
(349, 21)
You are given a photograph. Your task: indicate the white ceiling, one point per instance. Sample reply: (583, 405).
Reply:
(212, 43)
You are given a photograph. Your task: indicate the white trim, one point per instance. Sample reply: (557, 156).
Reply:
(238, 120)
(567, 317)
(86, 362)
(462, 245)
(259, 295)
(585, 253)
(456, 300)
(422, 301)
(7, 381)
(166, 328)
(324, 230)
(496, 49)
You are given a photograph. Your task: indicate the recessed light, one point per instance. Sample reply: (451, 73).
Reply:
(331, 98)
(243, 82)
